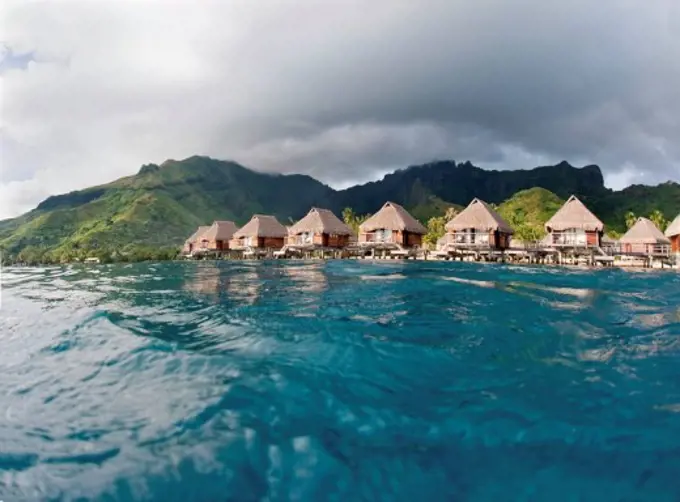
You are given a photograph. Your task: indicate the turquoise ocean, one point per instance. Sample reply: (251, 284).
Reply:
(338, 381)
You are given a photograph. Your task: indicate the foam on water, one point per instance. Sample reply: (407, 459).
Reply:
(338, 381)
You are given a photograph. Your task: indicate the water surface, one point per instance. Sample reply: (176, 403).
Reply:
(339, 381)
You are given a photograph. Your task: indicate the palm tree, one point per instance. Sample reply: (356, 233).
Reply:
(630, 219)
(659, 219)
(450, 213)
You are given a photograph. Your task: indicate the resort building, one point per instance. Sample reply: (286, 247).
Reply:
(261, 232)
(645, 238)
(478, 226)
(320, 228)
(192, 243)
(574, 226)
(608, 244)
(216, 237)
(391, 226)
(673, 233)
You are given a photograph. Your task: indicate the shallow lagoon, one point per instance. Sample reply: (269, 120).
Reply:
(339, 381)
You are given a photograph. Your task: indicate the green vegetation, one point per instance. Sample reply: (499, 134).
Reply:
(146, 215)
(436, 227)
(528, 211)
(352, 219)
(658, 218)
(159, 207)
(40, 255)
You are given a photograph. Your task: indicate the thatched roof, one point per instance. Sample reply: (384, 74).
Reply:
(393, 217)
(220, 230)
(674, 228)
(320, 221)
(261, 225)
(574, 214)
(480, 216)
(197, 234)
(644, 232)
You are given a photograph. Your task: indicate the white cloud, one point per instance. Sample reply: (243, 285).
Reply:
(340, 90)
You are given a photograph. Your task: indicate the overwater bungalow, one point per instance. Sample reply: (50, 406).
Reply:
(644, 238)
(673, 233)
(392, 226)
(478, 226)
(216, 238)
(320, 228)
(574, 226)
(262, 232)
(609, 244)
(192, 243)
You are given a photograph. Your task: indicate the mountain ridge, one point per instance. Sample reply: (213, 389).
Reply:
(162, 204)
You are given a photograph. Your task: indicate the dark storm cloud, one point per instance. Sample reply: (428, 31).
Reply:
(346, 91)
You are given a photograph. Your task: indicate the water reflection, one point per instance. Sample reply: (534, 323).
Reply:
(245, 285)
(310, 278)
(206, 280)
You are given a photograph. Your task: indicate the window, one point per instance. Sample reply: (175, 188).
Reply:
(383, 235)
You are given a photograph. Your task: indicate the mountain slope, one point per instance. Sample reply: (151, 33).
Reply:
(162, 204)
(528, 210)
(460, 183)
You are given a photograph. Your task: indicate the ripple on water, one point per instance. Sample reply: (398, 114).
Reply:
(338, 381)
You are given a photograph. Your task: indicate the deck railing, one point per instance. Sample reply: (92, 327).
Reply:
(643, 249)
(379, 238)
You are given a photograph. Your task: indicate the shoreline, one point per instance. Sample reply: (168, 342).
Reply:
(628, 268)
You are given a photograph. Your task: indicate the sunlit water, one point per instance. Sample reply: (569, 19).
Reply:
(339, 381)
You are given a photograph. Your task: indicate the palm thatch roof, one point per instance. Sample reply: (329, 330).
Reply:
(644, 232)
(480, 216)
(320, 221)
(219, 231)
(393, 217)
(574, 214)
(261, 225)
(197, 234)
(674, 228)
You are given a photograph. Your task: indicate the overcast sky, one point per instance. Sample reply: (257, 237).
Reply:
(343, 90)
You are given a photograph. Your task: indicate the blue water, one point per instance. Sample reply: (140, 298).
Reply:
(339, 381)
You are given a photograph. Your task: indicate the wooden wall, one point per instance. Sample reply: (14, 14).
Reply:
(270, 242)
(323, 240)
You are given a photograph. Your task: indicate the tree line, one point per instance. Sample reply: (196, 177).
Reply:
(40, 255)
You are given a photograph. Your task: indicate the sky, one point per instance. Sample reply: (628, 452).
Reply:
(343, 90)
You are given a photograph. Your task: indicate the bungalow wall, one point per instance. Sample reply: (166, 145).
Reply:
(218, 245)
(321, 240)
(402, 238)
(494, 240)
(575, 238)
(645, 248)
(258, 242)
(331, 240)
(675, 244)
(270, 242)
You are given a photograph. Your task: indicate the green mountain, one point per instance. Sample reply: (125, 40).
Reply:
(460, 183)
(162, 204)
(159, 206)
(528, 210)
